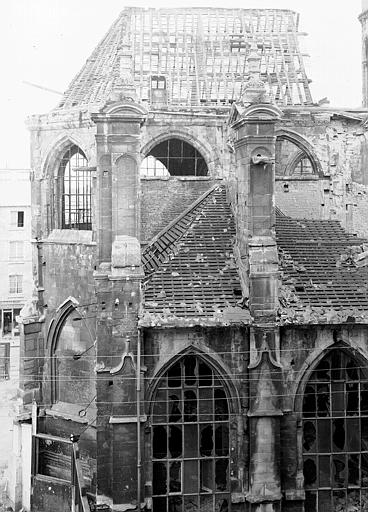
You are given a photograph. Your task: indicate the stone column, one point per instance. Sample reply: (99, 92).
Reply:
(253, 121)
(118, 292)
(118, 160)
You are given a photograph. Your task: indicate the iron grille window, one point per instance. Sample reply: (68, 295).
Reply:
(174, 157)
(76, 190)
(335, 436)
(190, 440)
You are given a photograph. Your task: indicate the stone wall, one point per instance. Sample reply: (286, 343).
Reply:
(301, 198)
(163, 199)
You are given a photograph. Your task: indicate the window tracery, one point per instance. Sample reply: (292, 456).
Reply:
(335, 435)
(190, 440)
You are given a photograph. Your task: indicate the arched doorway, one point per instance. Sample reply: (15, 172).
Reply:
(335, 435)
(190, 440)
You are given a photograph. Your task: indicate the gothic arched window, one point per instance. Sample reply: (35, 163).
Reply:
(335, 435)
(190, 440)
(174, 157)
(73, 359)
(76, 190)
(302, 167)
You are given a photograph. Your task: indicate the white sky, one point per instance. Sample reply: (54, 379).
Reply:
(47, 41)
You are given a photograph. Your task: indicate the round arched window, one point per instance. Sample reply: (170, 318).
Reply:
(190, 440)
(335, 435)
(76, 192)
(174, 157)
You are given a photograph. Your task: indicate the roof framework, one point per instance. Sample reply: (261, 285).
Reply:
(201, 52)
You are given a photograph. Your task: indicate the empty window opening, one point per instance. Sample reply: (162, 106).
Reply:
(190, 440)
(76, 181)
(73, 361)
(335, 436)
(174, 157)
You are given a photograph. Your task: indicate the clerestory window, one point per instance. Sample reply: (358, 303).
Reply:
(76, 190)
(335, 435)
(174, 157)
(190, 440)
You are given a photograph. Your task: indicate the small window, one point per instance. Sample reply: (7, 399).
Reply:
(16, 250)
(158, 82)
(15, 284)
(17, 219)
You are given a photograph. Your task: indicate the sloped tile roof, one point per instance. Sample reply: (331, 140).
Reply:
(317, 262)
(191, 263)
(191, 271)
(184, 45)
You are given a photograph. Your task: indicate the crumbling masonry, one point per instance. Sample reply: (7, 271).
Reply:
(190, 346)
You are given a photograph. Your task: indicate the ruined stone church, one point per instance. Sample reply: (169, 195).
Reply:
(198, 338)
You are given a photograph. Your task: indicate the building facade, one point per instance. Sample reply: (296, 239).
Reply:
(190, 346)
(16, 285)
(16, 253)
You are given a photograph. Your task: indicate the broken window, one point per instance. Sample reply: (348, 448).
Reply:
(190, 440)
(174, 157)
(76, 191)
(335, 436)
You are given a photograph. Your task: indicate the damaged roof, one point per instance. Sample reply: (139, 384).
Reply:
(323, 267)
(191, 266)
(198, 54)
(192, 278)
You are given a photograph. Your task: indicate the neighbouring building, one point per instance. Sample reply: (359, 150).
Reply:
(16, 281)
(189, 346)
(16, 285)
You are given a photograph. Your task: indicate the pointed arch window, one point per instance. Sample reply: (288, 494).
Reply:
(76, 190)
(335, 435)
(303, 167)
(72, 360)
(190, 440)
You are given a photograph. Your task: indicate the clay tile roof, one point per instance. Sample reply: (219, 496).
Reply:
(193, 266)
(184, 46)
(191, 271)
(318, 259)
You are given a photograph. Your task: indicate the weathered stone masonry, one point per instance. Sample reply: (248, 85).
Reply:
(182, 335)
